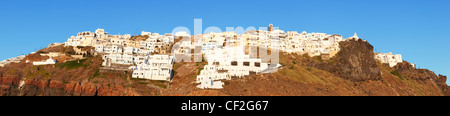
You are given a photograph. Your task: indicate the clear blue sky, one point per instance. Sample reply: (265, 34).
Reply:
(417, 29)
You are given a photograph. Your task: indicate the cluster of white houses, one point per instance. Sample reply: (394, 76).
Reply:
(390, 59)
(155, 67)
(17, 59)
(225, 52)
(225, 63)
(121, 52)
(225, 60)
(45, 62)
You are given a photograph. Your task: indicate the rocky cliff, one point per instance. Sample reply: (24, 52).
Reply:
(354, 61)
(405, 70)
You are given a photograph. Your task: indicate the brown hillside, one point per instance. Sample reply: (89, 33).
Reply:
(353, 71)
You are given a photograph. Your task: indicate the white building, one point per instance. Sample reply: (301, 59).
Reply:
(86, 38)
(120, 40)
(389, 58)
(52, 54)
(129, 50)
(225, 63)
(115, 58)
(210, 84)
(313, 44)
(99, 48)
(155, 67)
(109, 49)
(45, 62)
(155, 41)
(182, 34)
(146, 33)
(17, 59)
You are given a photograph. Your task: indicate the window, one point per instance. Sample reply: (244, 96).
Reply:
(234, 63)
(246, 63)
(257, 64)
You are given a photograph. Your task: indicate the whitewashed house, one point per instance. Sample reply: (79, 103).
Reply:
(17, 59)
(156, 67)
(112, 49)
(115, 58)
(146, 33)
(210, 84)
(129, 50)
(389, 58)
(45, 62)
(140, 59)
(182, 34)
(228, 62)
(87, 38)
(52, 54)
(99, 48)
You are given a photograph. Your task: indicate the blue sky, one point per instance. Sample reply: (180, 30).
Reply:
(417, 29)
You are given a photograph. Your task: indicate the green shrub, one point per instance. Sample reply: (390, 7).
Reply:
(142, 83)
(37, 71)
(305, 55)
(96, 75)
(319, 58)
(74, 64)
(200, 70)
(70, 52)
(396, 73)
(226, 82)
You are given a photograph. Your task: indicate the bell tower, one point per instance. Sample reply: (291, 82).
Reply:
(270, 27)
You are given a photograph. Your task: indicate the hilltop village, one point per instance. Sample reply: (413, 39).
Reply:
(228, 54)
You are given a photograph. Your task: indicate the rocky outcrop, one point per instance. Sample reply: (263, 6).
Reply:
(406, 70)
(354, 61)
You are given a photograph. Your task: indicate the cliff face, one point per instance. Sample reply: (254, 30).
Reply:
(405, 70)
(354, 61)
